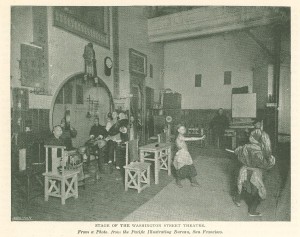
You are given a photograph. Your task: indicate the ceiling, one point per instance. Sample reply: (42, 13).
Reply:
(156, 11)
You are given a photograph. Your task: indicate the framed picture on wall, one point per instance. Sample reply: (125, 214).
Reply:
(137, 62)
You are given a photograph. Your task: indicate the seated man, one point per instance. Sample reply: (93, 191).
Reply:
(55, 139)
(117, 135)
(97, 144)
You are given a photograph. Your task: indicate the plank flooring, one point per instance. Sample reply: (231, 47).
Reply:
(106, 200)
(103, 200)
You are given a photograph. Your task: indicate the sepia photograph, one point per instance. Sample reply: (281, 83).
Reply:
(150, 114)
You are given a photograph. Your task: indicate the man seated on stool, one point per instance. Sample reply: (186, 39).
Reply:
(97, 144)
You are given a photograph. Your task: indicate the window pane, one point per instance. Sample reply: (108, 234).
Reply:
(227, 78)
(198, 80)
(59, 98)
(68, 93)
(79, 94)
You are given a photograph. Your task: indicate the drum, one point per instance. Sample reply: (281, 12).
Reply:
(75, 160)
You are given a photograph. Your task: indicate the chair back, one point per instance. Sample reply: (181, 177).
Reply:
(57, 158)
(132, 151)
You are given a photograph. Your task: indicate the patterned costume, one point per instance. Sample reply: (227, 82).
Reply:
(183, 162)
(255, 159)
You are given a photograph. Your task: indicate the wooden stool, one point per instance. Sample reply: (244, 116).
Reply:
(137, 174)
(63, 183)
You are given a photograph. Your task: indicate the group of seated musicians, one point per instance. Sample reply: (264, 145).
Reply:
(106, 141)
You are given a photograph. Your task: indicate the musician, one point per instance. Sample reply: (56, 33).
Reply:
(117, 134)
(68, 133)
(109, 122)
(123, 124)
(97, 143)
(55, 139)
(134, 128)
(114, 136)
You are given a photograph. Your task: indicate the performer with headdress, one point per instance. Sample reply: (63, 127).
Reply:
(255, 158)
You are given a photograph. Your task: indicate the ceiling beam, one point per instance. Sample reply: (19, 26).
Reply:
(260, 44)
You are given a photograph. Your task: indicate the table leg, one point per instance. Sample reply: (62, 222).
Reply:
(148, 175)
(63, 191)
(76, 187)
(126, 179)
(46, 188)
(28, 189)
(233, 142)
(156, 167)
(169, 160)
(142, 156)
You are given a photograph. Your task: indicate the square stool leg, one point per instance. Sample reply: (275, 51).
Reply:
(126, 179)
(76, 187)
(63, 192)
(139, 182)
(148, 176)
(46, 188)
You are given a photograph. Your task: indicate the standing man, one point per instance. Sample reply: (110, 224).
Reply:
(218, 125)
(68, 133)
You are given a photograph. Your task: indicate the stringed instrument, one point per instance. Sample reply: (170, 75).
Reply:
(119, 128)
(100, 142)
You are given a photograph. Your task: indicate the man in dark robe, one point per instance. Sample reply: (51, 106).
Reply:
(97, 144)
(218, 125)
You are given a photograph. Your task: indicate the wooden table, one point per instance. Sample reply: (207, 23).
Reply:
(160, 153)
(236, 130)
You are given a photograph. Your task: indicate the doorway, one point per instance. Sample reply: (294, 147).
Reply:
(137, 105)
(84, 100)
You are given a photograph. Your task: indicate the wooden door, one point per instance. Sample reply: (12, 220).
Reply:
(137, 104)
(149, 117)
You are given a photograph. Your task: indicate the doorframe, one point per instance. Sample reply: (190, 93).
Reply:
(137, 77)
(138, 80)
(71, 77)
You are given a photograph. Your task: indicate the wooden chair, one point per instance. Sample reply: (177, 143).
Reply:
(63, 183)
(137, 174)
(164, 138)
